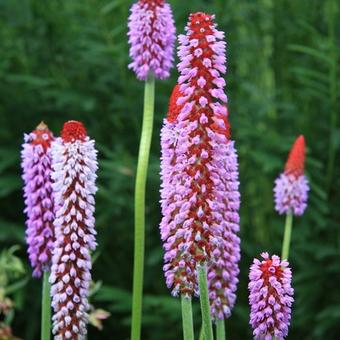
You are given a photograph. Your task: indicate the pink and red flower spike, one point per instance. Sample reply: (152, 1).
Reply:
(74, 173)
(291, 188)
(270, 298)
(36, 165)
(198, 165)
(152, 38)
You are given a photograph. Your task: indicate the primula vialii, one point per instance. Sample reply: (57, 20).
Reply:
(271, 297)
(74, 173)
(36, 165)
(151, 37)
(291, 188)
(200, 198)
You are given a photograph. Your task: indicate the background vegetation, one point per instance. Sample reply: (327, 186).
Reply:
(62, 60)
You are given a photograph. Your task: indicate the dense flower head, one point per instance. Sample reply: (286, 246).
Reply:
(270, 297)
(198, 164)
(291, 187)
(74, 173)
(151, 37)
(223, 271)
(38, 193)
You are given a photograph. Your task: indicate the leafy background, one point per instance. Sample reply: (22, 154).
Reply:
(62, 60)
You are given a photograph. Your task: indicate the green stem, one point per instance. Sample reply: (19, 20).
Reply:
(201, 334)
(204, 299)
(188, 327)
(220, 330)
(46, 309)
(141, 176)
(287, 236)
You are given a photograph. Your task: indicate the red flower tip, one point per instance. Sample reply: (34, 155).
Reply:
(42, 135)
(72, 131)
(201, 24)
(174, 109)
(268, 270)
(152, 3)
(296, 159)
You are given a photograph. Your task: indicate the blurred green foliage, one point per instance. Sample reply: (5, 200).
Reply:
(62, 60)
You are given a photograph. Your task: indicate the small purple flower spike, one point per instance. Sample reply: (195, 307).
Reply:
(36, 165)
(270, 298)
(291, 188)
(74, 162)
(152, 38)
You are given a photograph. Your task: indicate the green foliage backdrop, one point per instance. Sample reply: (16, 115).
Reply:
(62, 60)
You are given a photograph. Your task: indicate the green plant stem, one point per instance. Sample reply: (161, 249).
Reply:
(204, 299)
(287, 236)
(46, 309)
(220, 330)
(141, 176)
(201, 337)
(188, 327)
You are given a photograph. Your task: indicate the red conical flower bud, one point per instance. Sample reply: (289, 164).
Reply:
(296, 159)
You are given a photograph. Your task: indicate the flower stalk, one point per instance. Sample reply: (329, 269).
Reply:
(188, 328)
(220, 329)
(141, 176)
(287, 236)
(46, 309)
(204, 300)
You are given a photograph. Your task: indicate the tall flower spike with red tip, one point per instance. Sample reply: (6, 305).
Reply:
(199, 193)
(74, 172)
(291, 188)
(152, 37)
(36, 165)
(270, 298)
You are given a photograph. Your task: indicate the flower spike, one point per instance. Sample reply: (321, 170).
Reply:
(291, 188)
(151, 37)
(199, 193)
(74, 172)
(270, 298)
(223, 271)
(36, 165)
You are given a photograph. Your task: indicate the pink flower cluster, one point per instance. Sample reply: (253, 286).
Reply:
(271, 297)
(74, 174)
(38, 193)
(291, 188)
(151, 37)
(199, 172)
